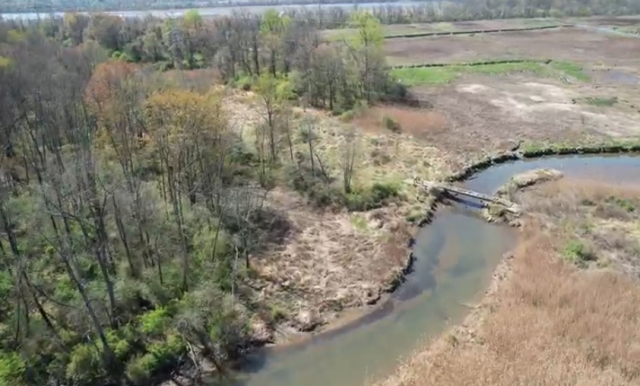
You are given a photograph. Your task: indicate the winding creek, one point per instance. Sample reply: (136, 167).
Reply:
(455, 257)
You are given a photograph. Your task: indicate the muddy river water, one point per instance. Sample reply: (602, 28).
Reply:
(455, 257)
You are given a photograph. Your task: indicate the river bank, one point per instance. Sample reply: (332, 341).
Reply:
(317, 320)
(497, 342)
(324, 339)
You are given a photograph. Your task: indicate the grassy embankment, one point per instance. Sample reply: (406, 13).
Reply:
(446, 74)
(563, 310)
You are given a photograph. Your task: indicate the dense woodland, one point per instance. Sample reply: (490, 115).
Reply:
(130, 206)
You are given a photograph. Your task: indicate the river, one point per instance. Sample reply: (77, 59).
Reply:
(455, 258)
(214, 11)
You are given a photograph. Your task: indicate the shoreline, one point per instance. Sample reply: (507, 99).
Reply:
(354, 316)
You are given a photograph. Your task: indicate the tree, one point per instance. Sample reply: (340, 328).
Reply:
(366, 50)
(273, 29)
(186, 128)
(73, 27)
(106, 30)
(348, 160)
(274, 94)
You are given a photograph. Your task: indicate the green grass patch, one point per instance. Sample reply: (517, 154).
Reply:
(439, 75)
(578, 253)
(571, 69)
(598, 101)
(551, 148)
(359, 222)
(420, 76)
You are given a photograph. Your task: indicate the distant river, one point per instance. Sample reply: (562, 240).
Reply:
(173, 13)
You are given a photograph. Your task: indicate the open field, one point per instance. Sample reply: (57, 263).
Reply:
(605, 21)
(482, 114)
(567, 44)
(582, 96)
(626, 23)
(420, 28)
(418, 76)
(545, 321)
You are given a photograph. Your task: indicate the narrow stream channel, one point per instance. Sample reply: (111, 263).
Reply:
(456, 256)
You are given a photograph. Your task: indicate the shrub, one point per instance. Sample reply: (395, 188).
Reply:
(139, 369)
(85, 365)
(277, 314)
(12, 370)
(167, 351)
(154, 322)
(391, 124)
(577, 252)
(347, 116)
(374, 197)
(244, 82)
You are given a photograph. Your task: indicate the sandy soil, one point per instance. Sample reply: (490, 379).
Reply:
(572, 44)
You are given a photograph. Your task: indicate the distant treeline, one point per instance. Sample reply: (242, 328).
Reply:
(392, 13)
(14, 6)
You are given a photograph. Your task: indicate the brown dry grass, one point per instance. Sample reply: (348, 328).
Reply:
(480, 115)
(570, 44)
(544, 322)
(333, 261)
(416, 28)
(413, 121)
(605, 220)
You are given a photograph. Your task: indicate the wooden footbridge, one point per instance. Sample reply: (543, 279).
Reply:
(454, 191)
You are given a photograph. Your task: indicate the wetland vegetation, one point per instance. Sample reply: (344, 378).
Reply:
(176, 192)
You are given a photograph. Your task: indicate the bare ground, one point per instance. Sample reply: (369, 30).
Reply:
(480, 115)
(571, 44)
(544, 321)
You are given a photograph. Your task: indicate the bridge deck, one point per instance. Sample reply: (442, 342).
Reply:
(510, 206)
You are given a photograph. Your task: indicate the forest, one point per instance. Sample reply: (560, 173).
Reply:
(131, 206)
